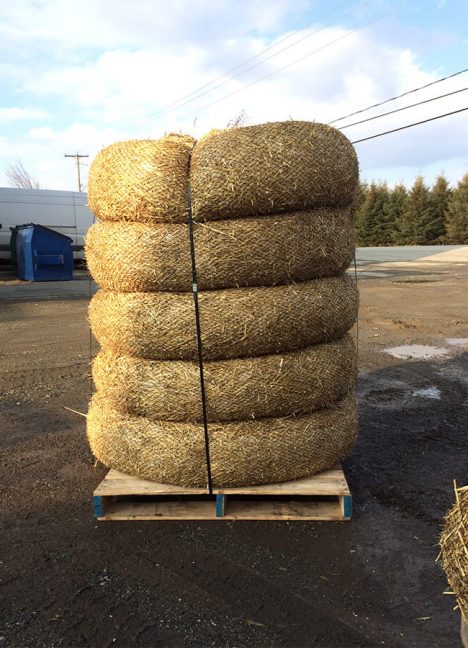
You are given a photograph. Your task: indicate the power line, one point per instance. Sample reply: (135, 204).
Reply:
(403, 94)
(319, 49)
(391, 112)
(197, 94)
(424, 121)
(164, 109)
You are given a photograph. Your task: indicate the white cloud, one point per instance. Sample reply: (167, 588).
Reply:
(16, 113)
(122, 67)
(143, 23)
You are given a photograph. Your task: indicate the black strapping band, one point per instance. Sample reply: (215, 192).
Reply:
(90, 287)
(199, 338)
(357, 317)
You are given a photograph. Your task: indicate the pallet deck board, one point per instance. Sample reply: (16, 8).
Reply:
(319, 484)
(199, 510)
(324, 496)
(118, 483)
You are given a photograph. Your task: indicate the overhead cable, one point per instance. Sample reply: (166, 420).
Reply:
(403, 94)
(209, 87)
(301, 58)
(391, 112)
(424, 121)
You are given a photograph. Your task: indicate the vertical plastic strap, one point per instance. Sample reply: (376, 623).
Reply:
(198, 328)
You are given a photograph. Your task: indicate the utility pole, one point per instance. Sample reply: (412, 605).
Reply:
(77, 157)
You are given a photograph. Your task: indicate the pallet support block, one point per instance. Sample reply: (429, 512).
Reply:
(98, 507)
(324, 496)
(220, 504)
(346, 503)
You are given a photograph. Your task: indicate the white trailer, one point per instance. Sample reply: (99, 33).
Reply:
(66, 212)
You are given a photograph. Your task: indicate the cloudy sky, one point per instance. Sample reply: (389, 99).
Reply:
(76, 76)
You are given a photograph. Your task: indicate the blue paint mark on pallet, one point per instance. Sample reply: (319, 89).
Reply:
(347, 506)
(220, 503)
(98, 508)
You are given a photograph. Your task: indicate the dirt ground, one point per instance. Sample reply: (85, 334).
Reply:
(67, 580)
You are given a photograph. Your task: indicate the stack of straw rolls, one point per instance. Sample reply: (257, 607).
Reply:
(273, 237)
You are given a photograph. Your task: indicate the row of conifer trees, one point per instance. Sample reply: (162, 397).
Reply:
(421, 215)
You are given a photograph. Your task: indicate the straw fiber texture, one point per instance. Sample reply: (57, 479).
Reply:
(141, 180)
(251, 252)
(271, 168)
(272, 385)
(454, 549)
(234, 323)
(242, 452)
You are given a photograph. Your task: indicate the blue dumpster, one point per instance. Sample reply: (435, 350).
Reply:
(43, 254)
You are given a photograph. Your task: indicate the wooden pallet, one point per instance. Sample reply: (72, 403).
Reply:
(324, 496)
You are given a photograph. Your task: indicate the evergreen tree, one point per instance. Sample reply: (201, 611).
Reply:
(415, 226)
(457, 213)
(421, 216)
(385, 218)
(396, 214)
(359, 198)
(440, 195)
(370, 221)
(358, 203)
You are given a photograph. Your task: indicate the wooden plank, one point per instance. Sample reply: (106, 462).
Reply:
(118, 483)
(328, 482)
(172, 510)
(283, 510)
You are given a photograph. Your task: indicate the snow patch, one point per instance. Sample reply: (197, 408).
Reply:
(427, 392)
(419, 351)
(457, 341)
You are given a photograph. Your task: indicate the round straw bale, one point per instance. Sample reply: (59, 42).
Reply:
(270, 168)
(298, 382)
(250, 252)
(242, 452)
(234, 323)
(141, 180)
(454, 549)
